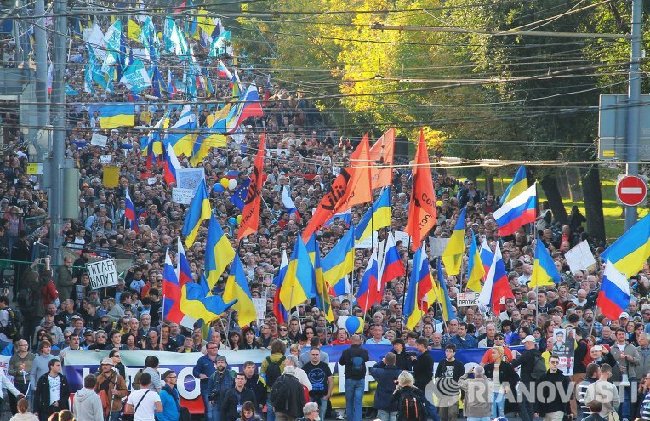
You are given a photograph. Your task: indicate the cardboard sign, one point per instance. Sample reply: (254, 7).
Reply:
(182, 196)
(102, 274)
(105, 159)
(437, 246)
(467, 299)
(99, 140)
(189, 178)
(260, 309)
(152, 180)
(580, 257)
(403, 237)
(111, 178)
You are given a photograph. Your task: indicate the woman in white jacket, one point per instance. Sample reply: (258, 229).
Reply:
(23, 414)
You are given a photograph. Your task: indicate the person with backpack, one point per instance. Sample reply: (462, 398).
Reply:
(386, 373)
(532, 369)
(554, 397)
(354, 360)
(143, 403)
(271, 368)
(287, 396)
(220, 381)
(111, 388)
(477, 404)
(9, 325)
(503, 379)
(411, 403)
(447, 375)
(87, 404)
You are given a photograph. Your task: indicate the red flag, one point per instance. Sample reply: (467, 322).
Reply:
(351, 187)
(250, 220)
(381, 153)
(422, 208)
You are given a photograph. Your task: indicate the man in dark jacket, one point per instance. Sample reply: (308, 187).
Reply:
(553, 404)
(423, 365)
(402, 357)
(287, 396)
(234, 399)
(52, 392)
(255, 385)
(448, 373)
(219, 382)
(385, 373)
(527, 362)
(204, 368)
(354, 360)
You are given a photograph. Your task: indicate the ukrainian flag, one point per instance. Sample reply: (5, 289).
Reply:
(218, 252)
(442, 295)
(116, 115)
(340, 260)
(322, 288)
(298, 280)
(198, 303)
(518, 185)
(544, 271)
(199, 211)
(420, 294)
(631, 251)
(237, 289)
(311, 248)
(453, 254)
(183, 133)
(475, 269)
(207, 140)
(377, 217)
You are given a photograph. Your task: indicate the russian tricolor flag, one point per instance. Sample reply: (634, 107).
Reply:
(370, 290)
(281, 314)
(496, 288)
(519, 211)
(223, 72)
(392, 266)
(614, 295)
(183, 271)
(486, 256)
(129, 212)
(171, 293)
(170, 165)
(287, 201)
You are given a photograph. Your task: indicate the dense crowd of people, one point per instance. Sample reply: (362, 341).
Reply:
(51, 310)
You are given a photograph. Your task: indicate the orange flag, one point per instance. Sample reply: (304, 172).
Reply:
(351, 187)
(250, 220)
(422, 208)
(381, 153)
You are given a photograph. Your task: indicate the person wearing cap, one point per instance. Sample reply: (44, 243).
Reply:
(499, 340)
(111, 388)
(219, 382)
(527, 362)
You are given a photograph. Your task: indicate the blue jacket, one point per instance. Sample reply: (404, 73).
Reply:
(170, 403)
(385, 376)
(219, 383)
(469, 342)
(204, 365)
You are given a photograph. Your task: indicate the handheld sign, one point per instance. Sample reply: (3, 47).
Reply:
(102, 274)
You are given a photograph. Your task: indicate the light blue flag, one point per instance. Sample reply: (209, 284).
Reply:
(112, 40)
(135, 77)
(173, 38)
(70, 91)
(221, 45)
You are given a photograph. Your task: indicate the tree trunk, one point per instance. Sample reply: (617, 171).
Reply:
(593, 203)
(489, 184)
(549, 184)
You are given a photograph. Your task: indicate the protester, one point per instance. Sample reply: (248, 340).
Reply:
(321, 379)
(111, 388)
(447, 375)
(87, 404)
(170, 399)
(528, 360)
(24, 415)
(233, 399)
(385, 373)
(503, 379)
(144, 403)
(222, 380)
(51, 394)
(604, 392)
(287, 396)
(203, 370)
(553, 402)
(310, 411)
(354, 360)
(20, 365)
(410, 401)
(477, 405)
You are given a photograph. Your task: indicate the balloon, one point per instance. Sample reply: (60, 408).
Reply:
(232, 184)
(232, 221)
(239, 218)
(218, 188)
(353, 324)
(224, 182)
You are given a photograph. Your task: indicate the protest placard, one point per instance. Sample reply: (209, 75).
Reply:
(182, 196)
(102, 274)
(466, 299)
(437, 246)
(105, 159)
(98, 140)
(260, 309)
(189, 178)
(580, 257)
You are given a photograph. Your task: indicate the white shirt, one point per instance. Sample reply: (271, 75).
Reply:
(55, 388)
(147, 409)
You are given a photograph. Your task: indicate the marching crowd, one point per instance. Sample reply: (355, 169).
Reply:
(51, 311)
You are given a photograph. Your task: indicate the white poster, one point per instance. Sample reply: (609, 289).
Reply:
(437, 246)
(102, 274)
(189, 178)
(466, 299)
(580, 257)
(563, 346)
(98, 140)
(105, 159)
(182, 196)
(260, 309)
(403, 237)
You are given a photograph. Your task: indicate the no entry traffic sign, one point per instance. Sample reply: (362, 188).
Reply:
(631, 190)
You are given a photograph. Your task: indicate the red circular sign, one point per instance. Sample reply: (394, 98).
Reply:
(631, 190)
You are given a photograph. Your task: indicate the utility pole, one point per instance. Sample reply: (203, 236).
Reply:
(57, 162)
(42, 100)
(634, 103)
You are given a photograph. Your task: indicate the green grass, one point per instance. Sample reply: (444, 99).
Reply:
(612, 210)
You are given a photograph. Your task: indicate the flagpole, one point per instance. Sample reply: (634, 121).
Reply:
(406, 273)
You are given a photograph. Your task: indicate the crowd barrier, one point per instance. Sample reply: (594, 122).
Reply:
(80, 363)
